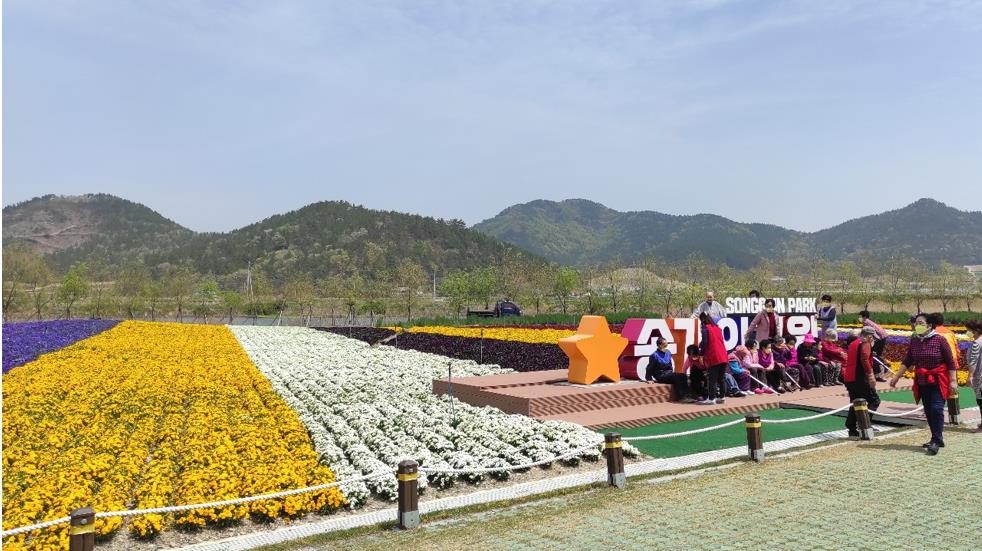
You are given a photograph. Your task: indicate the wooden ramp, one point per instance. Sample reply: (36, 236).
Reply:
(628, 403)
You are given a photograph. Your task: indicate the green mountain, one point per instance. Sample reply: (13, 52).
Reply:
(926, 230)
(94, 227)
(320, 239)
(581, 232)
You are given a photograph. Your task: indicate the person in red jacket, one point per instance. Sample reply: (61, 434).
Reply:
(713, 350)
(858, 376)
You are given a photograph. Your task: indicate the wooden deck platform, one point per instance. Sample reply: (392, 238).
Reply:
(631, 403)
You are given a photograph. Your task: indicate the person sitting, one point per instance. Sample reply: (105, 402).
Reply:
(696, 368)
(809, 371)
(749, 357)
(782, 357)
(830, 357)
(740, 375)
(773, 372)
(661, 369)
(793, 368)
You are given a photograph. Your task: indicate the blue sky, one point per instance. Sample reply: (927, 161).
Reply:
(219, 114)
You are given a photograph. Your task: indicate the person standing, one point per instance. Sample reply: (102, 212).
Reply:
(711, 307)
(879, 333)
(975, 363)
(713, 350)
(826, 315)
(934, 376)
(937, 320)
(858, 376)
(764, 324)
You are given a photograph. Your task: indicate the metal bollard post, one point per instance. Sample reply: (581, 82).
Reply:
(408, 478)
(82, 532)
(863, 424)
(954, 409)
(615, 460)
(755, 440)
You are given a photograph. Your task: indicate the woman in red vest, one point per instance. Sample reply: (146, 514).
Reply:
(934, 376)
(714, 355)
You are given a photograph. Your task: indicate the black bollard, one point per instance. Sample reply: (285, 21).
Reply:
(954, 409)
(755, 440)
(863, 424)
(408, 478)
(81, 535)
(615, 459)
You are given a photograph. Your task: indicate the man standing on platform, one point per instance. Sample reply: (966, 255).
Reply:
(858, 376)
(711, 307)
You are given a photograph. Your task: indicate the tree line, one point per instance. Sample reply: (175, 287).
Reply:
(32, 289)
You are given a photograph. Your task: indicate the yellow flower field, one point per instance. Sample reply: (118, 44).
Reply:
(149, 415)
(533, 336)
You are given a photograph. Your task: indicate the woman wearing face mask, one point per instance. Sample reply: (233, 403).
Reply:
(934, 376)
(764, 325)
(661, 369)
(826, 315)
(975, 363)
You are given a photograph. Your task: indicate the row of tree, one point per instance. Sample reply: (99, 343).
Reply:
(32, 291)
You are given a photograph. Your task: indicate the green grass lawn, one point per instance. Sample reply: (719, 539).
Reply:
(726, 437)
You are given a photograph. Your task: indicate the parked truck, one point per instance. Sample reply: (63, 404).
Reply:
(501, 308)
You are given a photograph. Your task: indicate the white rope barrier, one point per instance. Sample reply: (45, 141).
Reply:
(479, 470)
(33, 527)
(686, 433)
(227, 502)
(915, 410)
(287, 493)
(809, 418)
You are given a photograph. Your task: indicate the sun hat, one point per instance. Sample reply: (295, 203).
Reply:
(867, 331)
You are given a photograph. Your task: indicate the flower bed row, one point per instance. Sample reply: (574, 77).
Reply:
(150, 415)
(24, 342)
(368, 408)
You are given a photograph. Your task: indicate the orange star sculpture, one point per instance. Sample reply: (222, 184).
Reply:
(593, 351)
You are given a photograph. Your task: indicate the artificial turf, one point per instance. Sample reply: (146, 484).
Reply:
(727, 437)
(736, 435)
(966, 397)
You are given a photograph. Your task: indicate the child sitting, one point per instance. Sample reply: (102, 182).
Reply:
(696, 369)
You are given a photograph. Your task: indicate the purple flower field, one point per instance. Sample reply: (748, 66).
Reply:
(23, 342)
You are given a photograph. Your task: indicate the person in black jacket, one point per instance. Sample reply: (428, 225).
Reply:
(661, 369)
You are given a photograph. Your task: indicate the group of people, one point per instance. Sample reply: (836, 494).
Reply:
(769, 362)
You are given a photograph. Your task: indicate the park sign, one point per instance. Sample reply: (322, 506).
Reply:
(795, 316)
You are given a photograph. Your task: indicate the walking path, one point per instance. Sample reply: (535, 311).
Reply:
(842, 496)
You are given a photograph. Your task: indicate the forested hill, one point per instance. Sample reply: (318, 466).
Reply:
(581, 232)
(90, 227)
(320, 239)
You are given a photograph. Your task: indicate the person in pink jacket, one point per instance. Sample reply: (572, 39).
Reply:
(764, 325)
